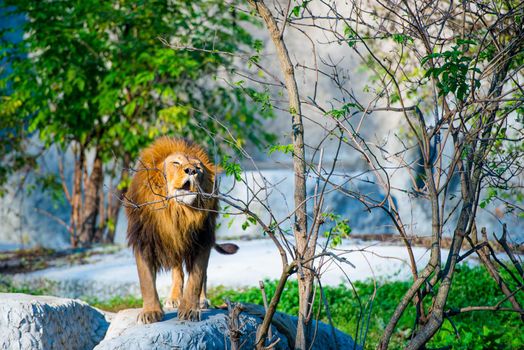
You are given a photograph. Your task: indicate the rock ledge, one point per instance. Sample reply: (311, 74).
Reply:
(44, 322)
(210, 333)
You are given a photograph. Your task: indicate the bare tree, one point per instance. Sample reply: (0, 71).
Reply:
(449, 74)
(304, 253)
(453, 71)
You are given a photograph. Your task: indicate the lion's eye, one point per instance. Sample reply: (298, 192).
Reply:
(176, 163)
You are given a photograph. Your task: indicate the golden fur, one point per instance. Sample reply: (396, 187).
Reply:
(172, 226)
(173, 222)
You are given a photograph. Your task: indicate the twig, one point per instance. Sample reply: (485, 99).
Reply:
(264, 298)
(504, 243)
(233, 324)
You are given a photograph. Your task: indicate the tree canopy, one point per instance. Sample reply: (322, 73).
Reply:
(109, 76)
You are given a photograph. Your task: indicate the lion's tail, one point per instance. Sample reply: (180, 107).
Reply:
(226, 248)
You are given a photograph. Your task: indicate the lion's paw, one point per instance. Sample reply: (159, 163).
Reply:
(204, 303)
(150, 316)
(171, 303)
(188, 313)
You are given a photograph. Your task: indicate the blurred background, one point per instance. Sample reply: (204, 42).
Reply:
(85, 87)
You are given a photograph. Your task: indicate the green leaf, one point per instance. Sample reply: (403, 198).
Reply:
(231, 168)
(296, 10)
(286, 149)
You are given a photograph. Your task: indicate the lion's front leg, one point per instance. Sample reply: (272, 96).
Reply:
(152, 310)
(190, 306)
(177, 288)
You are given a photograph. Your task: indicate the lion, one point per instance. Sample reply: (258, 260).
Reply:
(171, 223)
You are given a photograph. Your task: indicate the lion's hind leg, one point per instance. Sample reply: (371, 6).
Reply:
(204, 301)
(177, 288)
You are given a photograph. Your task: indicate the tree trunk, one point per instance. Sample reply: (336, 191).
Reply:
(306, 276)
(114, 200)
(102, 215)
(90, 208)
(471, 179)
(76, 202)
(436, 316)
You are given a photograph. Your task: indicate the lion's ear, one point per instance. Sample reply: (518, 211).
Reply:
(214, 169)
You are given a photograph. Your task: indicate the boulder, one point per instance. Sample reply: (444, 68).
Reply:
(211, 332)
(44, 322)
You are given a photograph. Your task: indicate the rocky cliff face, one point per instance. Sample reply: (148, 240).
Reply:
(22, 223)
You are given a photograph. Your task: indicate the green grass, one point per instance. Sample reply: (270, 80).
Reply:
(471, 286)
(116, 303)
(6, 286)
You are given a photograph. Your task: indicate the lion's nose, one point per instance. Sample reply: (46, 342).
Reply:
(190, 171)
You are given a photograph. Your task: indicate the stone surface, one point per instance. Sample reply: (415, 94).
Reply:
(210, 333)
(44, 322)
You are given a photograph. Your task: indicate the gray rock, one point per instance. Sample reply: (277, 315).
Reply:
(210, 333)
(44, 322)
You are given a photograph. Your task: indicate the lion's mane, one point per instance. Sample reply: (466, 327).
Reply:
(167, 233)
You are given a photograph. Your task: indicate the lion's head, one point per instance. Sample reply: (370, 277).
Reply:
(177, 169)
(185, 175)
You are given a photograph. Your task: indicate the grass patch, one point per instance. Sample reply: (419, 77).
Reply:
(6, 286)
(116, 303)
(471, 286)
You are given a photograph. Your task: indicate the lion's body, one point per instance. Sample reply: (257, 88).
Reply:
(168, 236)
(165, 232)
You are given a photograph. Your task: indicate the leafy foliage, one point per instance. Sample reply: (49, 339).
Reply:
(340, 230)
(231, 167)
(108, 78)
(96, 74)
(453, 73)
(295, 11)
(285, 149)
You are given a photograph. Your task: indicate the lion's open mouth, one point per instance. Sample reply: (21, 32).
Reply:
(184, 194)
(186, 186)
